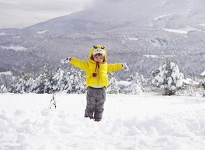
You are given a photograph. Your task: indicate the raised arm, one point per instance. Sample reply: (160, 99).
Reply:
(114, 67)
(79, 63)
(76, 62)
(117, 66)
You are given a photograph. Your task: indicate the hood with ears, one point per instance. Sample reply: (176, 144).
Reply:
(97, 47)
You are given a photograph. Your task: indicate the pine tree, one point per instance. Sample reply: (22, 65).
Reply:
(19, 87)
(57, 81)
(136, 86)
(203, 82)
(168, 77)
(29, 84)
(74, 81)
(203, 85)
(42, 83)
(3, 89)
(6, 80)
(20, 84)
(113, 84)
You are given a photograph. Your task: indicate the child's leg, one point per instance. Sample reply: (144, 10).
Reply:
(99, 106)
(90, 107)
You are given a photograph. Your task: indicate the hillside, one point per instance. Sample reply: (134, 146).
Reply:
(141, 33)
(129, 14)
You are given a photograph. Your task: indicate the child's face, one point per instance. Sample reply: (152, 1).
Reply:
(98, 58)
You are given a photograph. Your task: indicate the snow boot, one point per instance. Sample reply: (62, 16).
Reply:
(97, 120)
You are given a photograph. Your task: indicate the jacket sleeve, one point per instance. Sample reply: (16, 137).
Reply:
(79, 63)
(114, 67)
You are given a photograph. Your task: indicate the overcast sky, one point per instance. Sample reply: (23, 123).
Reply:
(23, 13)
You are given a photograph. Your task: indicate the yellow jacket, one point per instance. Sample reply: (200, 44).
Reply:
(89, 67)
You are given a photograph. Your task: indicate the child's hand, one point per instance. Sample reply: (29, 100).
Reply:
(125, 67)
(65, 61)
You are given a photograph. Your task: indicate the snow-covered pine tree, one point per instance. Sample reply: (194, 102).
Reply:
(113, 84)
(19, 87)
(6, 80)
(203, 85)
(74, 81)
(57, 81)
(168, 77)
(42, 83)
(203, 82)
(22, 84)
(136, 86)
(3, 89)
(29, 84)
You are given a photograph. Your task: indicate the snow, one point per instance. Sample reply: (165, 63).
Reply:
(203, 73)
(182, 30)
(124, 83)
(15, 48)
(133, 39)
(159, 56)
(41, 32)
(162, 16)
(189, 81)
(9, 73)
(2, 34)
(148, 121)
(202, 24)
(176, 31)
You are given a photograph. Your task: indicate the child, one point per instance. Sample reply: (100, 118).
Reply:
(96, 69)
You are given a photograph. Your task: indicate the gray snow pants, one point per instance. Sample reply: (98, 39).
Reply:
(95, 102)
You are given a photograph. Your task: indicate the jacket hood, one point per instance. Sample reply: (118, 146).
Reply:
(97, 47)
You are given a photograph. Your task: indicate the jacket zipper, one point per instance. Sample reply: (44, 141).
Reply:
(98, 75)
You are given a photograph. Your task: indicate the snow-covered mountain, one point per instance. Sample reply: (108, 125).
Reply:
(142, 33)
(129, 14)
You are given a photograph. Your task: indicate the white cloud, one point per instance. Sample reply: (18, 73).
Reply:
(23, 13)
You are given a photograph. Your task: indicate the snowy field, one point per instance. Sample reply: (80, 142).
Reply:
(130, 122)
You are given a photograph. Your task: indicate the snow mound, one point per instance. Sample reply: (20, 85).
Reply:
(147, 121)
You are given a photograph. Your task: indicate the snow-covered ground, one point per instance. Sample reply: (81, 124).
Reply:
(183, 30)
(131, 122)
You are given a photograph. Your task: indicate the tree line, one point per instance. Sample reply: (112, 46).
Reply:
(167, 77)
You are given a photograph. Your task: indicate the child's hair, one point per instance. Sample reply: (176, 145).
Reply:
(92, 57)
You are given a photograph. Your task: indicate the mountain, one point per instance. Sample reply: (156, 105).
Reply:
(142, 33)
(128, 14)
